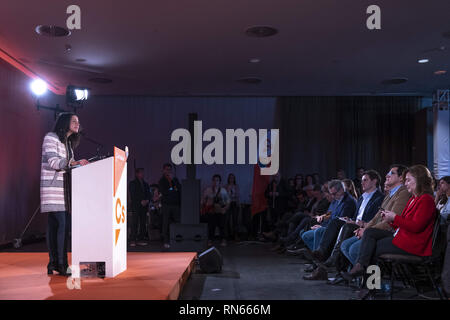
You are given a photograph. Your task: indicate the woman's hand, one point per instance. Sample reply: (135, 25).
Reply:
(82, 162)
(388, 216)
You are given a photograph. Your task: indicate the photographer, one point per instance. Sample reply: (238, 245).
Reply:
(215, 203)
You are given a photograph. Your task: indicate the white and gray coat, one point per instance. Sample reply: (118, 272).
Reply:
(56, 157)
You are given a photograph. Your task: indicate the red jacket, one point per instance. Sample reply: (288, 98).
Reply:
(416, 226)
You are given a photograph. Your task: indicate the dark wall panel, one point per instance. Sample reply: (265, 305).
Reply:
(22, 128)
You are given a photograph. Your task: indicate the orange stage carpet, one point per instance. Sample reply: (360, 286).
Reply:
(149, 276)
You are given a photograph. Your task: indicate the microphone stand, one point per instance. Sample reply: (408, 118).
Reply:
(99, 147)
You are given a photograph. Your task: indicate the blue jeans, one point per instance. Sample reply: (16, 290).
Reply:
(350, 248)
(312, 238)
(58, 226)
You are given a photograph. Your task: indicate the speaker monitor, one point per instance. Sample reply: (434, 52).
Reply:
(210, 261)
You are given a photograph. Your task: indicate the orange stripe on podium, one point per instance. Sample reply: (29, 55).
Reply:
(117, 235)
(119, 164)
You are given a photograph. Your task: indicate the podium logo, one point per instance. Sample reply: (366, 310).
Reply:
(120, 218)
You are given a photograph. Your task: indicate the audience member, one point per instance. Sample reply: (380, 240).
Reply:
(309, 182)
(341, 229)
(215, 203)
(170, 189)
(299, 183)
(441, 199)
(155, 208)
(320, 207)
(395, 201)
(277, 197)
(357, 180)
(140, 199)
(317, 179)
(345, 207)
(414, 227)
(341, 174)
(350, 188)
(232, 214)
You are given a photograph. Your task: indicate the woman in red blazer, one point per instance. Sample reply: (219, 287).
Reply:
(414, 227)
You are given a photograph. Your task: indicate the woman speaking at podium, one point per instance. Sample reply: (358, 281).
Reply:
(57, 158)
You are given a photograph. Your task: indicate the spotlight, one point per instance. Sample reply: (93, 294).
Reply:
(38, 87)
(423, 60)
(76, 94)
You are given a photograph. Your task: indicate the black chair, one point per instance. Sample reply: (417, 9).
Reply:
(414, 270)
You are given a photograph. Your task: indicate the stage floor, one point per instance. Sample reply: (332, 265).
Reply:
(149, 276)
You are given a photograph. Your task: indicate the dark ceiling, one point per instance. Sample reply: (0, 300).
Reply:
(199, 47)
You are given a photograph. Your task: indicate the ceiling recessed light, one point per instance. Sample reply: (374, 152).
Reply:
(52, 31)
(394, 81)
(423, 60)
(440, 72)
(254, 60)
(250, 80)
(261, 31)
(100, 80)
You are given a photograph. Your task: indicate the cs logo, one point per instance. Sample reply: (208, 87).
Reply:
(120, 217)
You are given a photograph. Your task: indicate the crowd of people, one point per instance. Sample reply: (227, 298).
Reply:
(156, 206)
(343, 226)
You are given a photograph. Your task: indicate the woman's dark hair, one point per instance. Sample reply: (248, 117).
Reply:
(424, 180)
(299, 175)
(229, 176)
(217, 176)
(350, 188)
(446, 179)
(62, 126)
(312, 178)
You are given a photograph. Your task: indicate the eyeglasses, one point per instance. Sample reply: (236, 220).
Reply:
(390, 173)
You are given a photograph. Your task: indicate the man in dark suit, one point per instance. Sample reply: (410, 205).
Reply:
(366, 208)
(346, 206)
(170, 189)
(140, 198)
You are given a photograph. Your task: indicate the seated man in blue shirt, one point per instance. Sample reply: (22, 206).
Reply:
(345, 206)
